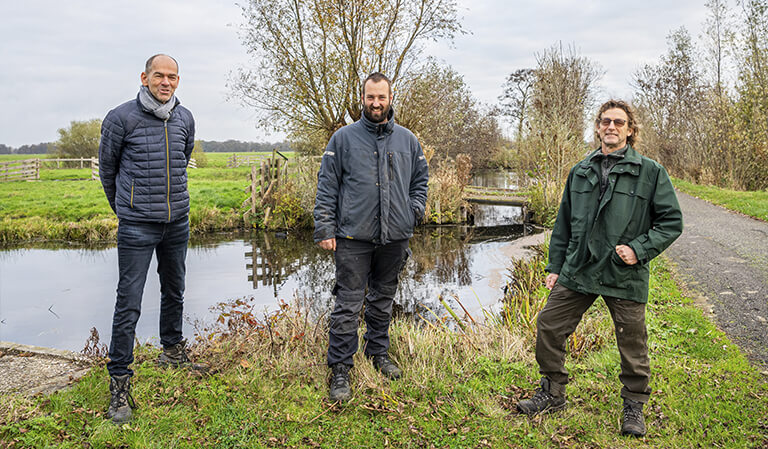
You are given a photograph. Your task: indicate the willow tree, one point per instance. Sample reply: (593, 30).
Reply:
(462, 125)
(80, 139)
(311, 55)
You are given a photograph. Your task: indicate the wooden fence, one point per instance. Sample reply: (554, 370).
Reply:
(78, 162)
(23, 170)
(236, 160)
(264, 181)
(29, 169)
(265, 266)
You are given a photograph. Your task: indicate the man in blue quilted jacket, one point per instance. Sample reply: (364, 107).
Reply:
(145, 147)
(371, 192)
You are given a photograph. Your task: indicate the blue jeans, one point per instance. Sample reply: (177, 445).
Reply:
(360, 265)
(136, 241)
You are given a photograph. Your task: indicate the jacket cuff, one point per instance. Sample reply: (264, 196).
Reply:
(323, 235)
(639, 249)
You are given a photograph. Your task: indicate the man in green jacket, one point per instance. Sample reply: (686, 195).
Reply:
(618, 211)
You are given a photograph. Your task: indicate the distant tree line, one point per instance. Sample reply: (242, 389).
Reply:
(236, 146)
(81, 139)
(40, 148)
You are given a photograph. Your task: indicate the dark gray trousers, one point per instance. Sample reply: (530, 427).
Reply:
(360, 265)
(559, 318)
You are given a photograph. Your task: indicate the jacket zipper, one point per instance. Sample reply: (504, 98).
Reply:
(167, 171)
(132, 182)
(390, 165)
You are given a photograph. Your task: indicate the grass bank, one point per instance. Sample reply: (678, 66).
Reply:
(65, 205)
(754, 204)
(268, 389)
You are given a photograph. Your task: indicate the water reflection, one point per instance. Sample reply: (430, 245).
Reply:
(52, 297)
(502, 179)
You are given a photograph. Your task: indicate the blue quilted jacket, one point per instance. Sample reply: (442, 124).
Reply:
(143, 162)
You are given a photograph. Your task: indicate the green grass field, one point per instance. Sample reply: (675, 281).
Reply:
(459, 390)
(66, 205)
(754, 204)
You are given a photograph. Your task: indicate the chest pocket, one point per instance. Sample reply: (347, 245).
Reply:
(628, 209)
(584, 193)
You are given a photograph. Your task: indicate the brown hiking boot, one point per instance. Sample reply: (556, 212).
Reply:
(121, 404)
(632, 421)
(542, 401)
(176, 356)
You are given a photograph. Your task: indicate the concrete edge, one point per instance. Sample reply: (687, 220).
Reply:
(47, 352)
(57, 383)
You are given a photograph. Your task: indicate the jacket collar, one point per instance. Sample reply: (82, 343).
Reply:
(380, 128)
(630, 157)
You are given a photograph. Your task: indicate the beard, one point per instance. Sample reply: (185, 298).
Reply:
(377, 115)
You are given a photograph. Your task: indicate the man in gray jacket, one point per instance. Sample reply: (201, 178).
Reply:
(371, 192)
(145, 147)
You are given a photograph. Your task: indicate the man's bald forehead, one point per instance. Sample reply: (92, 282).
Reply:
(151, 60)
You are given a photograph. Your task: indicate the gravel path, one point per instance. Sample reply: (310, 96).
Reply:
(724, 256)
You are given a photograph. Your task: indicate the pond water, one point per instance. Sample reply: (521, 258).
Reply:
(52, 297)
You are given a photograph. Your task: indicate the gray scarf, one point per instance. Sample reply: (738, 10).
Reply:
(161, 110)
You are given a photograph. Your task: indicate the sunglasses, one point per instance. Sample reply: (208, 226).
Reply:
(617, 121)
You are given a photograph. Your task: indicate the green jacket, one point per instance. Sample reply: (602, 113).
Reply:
(639, 209)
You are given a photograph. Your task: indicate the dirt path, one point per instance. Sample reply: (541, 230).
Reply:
(724, 256)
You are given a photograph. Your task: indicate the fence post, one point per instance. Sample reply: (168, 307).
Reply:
(262, 170)
(37, 169)
(253, 189)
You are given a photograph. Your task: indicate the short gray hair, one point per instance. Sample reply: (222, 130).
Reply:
(148, 65)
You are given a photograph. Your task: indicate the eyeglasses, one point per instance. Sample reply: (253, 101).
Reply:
(619, 122)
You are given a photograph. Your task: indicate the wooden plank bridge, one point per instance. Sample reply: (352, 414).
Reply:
(494, 195)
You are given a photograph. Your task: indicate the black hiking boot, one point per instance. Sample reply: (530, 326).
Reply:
(386, 366)
(632, 422)
(340, 391)
(176, 356)
(542, 401)
(121, 404)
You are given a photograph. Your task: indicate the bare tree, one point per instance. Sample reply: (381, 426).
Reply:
(751, 109)
(562, 98)
(516, 96)
(718, 35)
(311, 56)
(670, 96)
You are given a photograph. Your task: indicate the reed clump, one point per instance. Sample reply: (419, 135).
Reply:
(447, 181)
(525, 295)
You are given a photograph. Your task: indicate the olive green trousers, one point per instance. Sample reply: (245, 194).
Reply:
(559, 318)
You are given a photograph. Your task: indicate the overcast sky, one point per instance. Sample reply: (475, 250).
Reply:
(77, 59)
